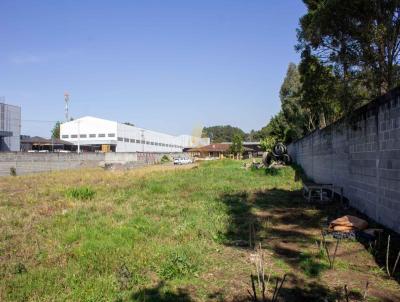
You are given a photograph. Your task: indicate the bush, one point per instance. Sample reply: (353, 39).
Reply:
(13, 171)
(82, 193)
(165, 159)
(268, 143)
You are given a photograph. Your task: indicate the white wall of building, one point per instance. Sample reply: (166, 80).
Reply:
(126, 138)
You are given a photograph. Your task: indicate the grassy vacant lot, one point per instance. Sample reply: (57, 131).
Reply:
(169, 234)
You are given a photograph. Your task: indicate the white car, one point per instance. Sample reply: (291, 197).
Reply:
(182, 161)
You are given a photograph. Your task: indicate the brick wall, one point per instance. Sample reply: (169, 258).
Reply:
(362, 155)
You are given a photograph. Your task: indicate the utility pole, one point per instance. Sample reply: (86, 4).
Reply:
(142, 139)
(79, 137)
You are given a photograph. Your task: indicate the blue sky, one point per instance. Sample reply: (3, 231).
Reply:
(164, 65)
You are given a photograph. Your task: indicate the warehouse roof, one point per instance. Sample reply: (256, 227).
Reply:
(37, 140)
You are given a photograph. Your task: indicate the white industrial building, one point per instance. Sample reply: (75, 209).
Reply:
(103, 135)
(10, 127)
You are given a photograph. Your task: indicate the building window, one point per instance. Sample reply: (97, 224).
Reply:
(74, 136)
(152, 143)
(120, 139)
(126, 140)
(65, 136)
(142, 142)
(102, 135)
(92, 135)
(111, 134)
(132, 140)
(137, 141)
(83, 136)
(147, 143)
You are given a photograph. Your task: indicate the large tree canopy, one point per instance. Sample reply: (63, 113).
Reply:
(219, 134)
(350, 53)
(359, 39)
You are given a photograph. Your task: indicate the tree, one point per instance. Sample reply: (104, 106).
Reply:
(237, 146)
(290, 123)
(290, 96)
(277, 127)
(360, 40)
(318, 93)
(220, 134)
(55, 132)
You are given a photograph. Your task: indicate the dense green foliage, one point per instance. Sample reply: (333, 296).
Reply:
(220, 134)
(360, 39)
(237, 145)
(350, 53)
(268, 143)
(55, 132)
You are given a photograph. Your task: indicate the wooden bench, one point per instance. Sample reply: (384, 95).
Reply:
(323, 193)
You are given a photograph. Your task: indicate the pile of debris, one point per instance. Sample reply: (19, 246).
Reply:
(352, 227)
(348, 223)
(277, 157)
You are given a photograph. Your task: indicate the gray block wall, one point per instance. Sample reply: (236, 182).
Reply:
(26, 163)
(362, 155)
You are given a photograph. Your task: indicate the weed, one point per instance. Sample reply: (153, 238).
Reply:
(176, 265)
(82, 193)
(310, 266)
(20, 268)
(124, 277)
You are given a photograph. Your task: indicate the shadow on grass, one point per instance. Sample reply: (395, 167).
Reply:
(299, 290)
(158, 294)
(279, 216)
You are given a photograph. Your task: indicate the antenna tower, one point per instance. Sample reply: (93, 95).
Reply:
(66, 99)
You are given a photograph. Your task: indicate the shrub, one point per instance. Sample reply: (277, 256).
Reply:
(268, 143)
(82, 193)
(13, 171)
(165, 159)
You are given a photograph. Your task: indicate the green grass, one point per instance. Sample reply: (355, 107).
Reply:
(155, 234)
(82, 193)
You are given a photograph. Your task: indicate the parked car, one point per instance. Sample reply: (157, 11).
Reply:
(182, 161)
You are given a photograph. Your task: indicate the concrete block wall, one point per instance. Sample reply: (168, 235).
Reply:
(26, 163)
(362, 155)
